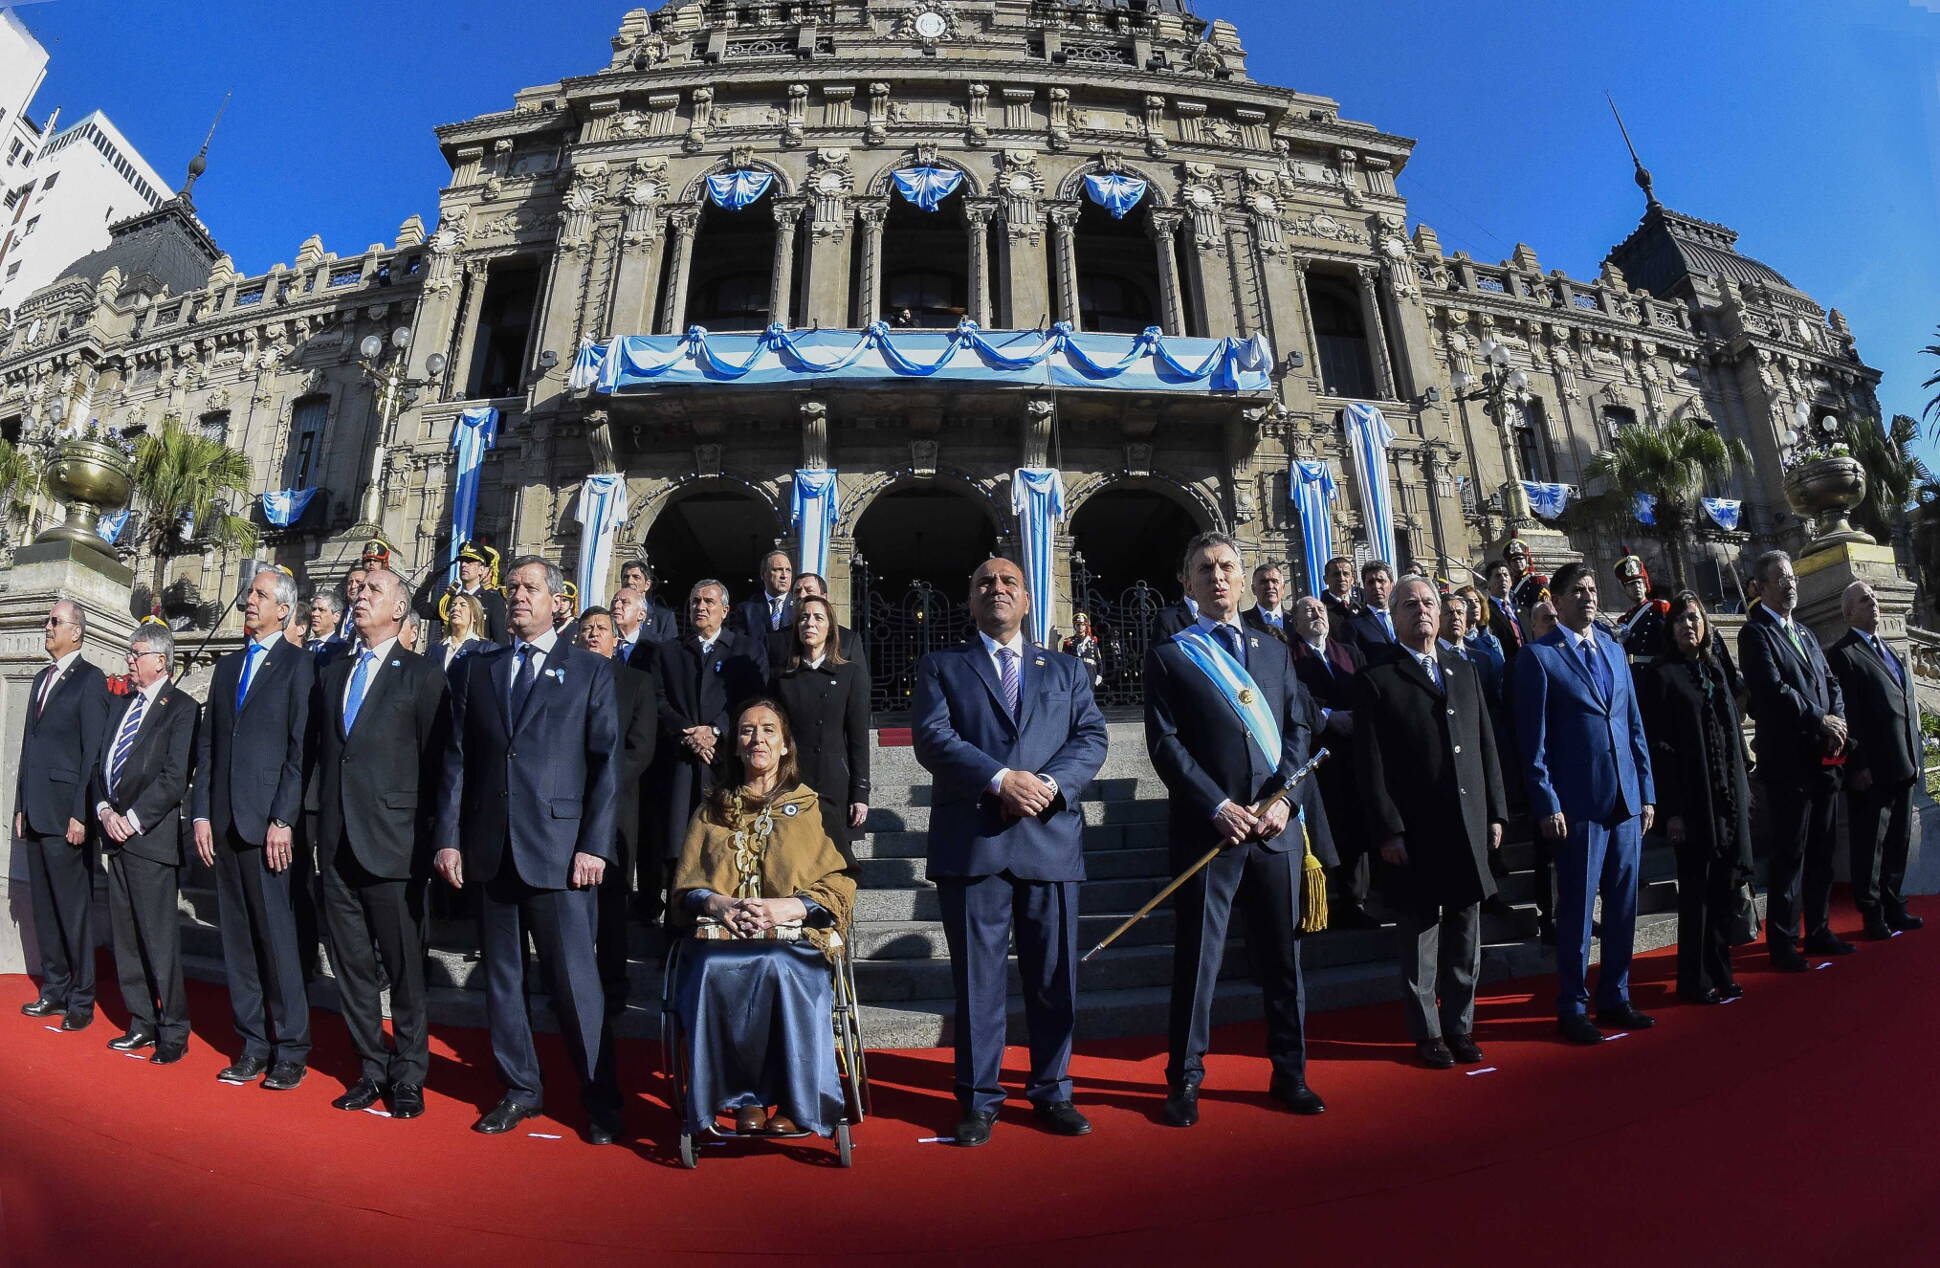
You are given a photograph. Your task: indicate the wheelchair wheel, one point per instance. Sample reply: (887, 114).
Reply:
(689, 1155)
(843, 1146)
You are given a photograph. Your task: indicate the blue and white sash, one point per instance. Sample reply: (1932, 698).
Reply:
(1232, 681)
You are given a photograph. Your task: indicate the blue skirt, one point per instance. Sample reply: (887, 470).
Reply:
(758, 1032)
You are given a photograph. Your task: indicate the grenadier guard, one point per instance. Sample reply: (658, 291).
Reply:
(1640, 628)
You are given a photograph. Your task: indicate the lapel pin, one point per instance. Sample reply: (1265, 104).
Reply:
(394, 664)
(1039, 662)
(1252, 642)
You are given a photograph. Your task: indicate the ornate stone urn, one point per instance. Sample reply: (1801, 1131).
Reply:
(92, 477)
(1826, 490)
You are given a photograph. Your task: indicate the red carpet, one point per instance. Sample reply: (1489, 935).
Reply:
(1794, 1126)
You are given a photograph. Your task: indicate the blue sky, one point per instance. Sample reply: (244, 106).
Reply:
(1811, 126)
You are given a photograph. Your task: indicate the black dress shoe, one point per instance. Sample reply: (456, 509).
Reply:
(43, 1007)
(1730, 990)
(407, 1100)
(285, 1075)
(1624, 1017)
(1877, 930)
(1434, 1054)
(973, 1128)
(1578, 1029)
(1463, 1048)
(1828, 944)
(168, 1055)
(77, 1019)
(246, 1070)
(134, 1041)
(504, 1116)
(363, 1094)
(1061, 1118)
(603, 1129)
(1905, 922)
(1786, 959)
(1182, 1106)
(1709, 995)
(1296, 1095)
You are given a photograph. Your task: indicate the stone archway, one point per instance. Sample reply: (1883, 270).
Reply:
(710, 529)
(1127, 539)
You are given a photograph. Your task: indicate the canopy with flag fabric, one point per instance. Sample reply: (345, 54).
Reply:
(285, 507)
(734, 190)
(927, 187)
(1115, 192)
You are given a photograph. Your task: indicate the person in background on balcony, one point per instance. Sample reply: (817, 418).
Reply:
(1697, 752)
(1800, 740)
(1883, 721)
(1587, 764)
(1227, 723)
(251, 752)
(463, 620)
(639, 731)
(1424, 751)
(139, 786)
(1326, 667)
(1010, 735)
(1084, 645)
(1371, 625)
(773, 609)
(1505, 618)
(65, 726)
(827, 699)
(478, 578)
(658, 625)
(1269, 592)
(1338, 596)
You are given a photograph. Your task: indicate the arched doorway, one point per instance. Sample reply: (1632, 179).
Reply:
(732, 277)
(925, 264)
(1124, 568)
(1118, 272)
(915, 548)
(714, 530)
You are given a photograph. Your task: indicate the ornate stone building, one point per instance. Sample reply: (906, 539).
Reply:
(583, 213)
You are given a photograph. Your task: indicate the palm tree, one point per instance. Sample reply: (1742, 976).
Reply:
(1672, 463)
(1893, 472)
(19, 482)
(183, 475)
(1933, 380)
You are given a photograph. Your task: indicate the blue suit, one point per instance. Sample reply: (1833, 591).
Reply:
(992, 872)
(1586, 757)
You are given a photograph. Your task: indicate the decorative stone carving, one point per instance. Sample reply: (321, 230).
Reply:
(1060, 119)
(1200, 198)
(875, 129)
(631, 124)
(695, 139)
(1138, 458)
(1323, 226)
(929, 22)
(707, 460)
(794, 128)
(1020, 184)
(830, 181)
(977, 133)
(922, 459)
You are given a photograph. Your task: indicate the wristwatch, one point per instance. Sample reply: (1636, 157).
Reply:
(278, 823)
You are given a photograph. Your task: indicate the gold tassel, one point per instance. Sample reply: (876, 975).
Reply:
(1313, 896)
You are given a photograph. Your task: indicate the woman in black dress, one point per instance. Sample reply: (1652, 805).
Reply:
(827, 698)
(1697, 759)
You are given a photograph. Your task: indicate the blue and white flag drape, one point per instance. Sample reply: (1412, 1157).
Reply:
(1724, 512)
(1368, 438)
(1114, 192)
(815, 507)
(734, 190)
(586, 365)
(1547, 501)
(285, 507)
(1037, 499)
(927, 187)
(475, 431)
(112, 523)
(602, 509)
(1313, 488)
(1644, 506)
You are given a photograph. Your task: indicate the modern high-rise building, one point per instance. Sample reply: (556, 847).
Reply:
(86, 177)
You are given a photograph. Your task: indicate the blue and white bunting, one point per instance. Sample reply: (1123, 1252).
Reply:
(285, 507)
(112, 523)
(1644, 506)
(602, 509)
(927, 187)
(1037, 499)
(1313, 488)
(1368, 438)
(1115, 192)
(1547, 501)
(1724, 512)
(814, 507)
(731, 191)
(475, 431)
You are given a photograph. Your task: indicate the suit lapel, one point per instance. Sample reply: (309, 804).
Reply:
(981, 666)
(1032, 671)
(1574, 659)
(271, 662)
(551, 673)
(501, 679)
(1411, 670)
(377, 690)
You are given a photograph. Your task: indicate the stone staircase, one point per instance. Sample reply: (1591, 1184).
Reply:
(902, 965)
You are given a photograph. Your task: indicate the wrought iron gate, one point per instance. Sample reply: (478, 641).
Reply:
(1124, 629)
(899, 630)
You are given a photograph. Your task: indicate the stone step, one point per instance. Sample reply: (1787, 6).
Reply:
(895, 798)
(1117, 810)
(1099, 840)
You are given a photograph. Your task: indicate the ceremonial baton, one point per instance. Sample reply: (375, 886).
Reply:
(1285, 791)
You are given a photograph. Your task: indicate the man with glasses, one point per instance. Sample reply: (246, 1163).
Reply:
(139, 785)
(67, 713)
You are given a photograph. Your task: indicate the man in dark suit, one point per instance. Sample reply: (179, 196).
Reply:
(531, 783)
(1269, 592)
(637, 626)
(1338, 598)
(633, 694)
(382, 719)
(1011, 736)
(1371, 627)
(1883, 763)
(347, 597)
(1424, 750)
(248, 791)
(139, 785)
(60, 740)
(326, 615)
(773, 608)
(658, 624)
(1798, 712)
(1587, 761)
(701, 677)
(1327, 667)
(1505, 622)
(1217, 771)
(478, 577)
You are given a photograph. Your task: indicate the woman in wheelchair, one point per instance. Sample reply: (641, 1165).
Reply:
(766, 895)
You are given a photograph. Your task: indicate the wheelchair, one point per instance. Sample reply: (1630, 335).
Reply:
(851, 1065)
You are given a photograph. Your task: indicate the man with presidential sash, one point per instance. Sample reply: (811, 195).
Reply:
(1227, 723)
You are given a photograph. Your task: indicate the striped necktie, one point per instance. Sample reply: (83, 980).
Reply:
(130, 726)
(1007, 676)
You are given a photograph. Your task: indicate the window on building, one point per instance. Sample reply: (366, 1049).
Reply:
(1346, 361)
(49, 182)
(28, 232)
(12, 269)
(1532, 447)
(1616, 418)
(933, 298)
(215, 426)
(13, 151)
(306, 439)
(10, 429)
(1114, 304)
(505, 314)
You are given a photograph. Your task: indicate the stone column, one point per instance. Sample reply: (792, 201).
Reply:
(977, 215)
(828, 303)
(638, 277)
(781, 290)
(870, 213)
(1026, 275)
(683, 221)
(1162, 225)
(1377, 330)
(1064, 229)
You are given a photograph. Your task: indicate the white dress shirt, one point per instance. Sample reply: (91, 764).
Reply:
(541, 656)
(380, 656)
(990, 648)
(61, 666)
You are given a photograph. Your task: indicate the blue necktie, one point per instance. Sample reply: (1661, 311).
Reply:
(1892, 661)
(1387, 623)
(248, 673)
(522, 685)
(1229, 639)
(1007, 676)
(129, 726)
(1599, 670)
(359, 684)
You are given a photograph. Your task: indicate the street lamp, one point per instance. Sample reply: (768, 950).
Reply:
(384, 366)
(1498, 388)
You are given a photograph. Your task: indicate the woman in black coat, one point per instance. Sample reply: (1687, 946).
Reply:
(1697, 758)
(827, 698)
